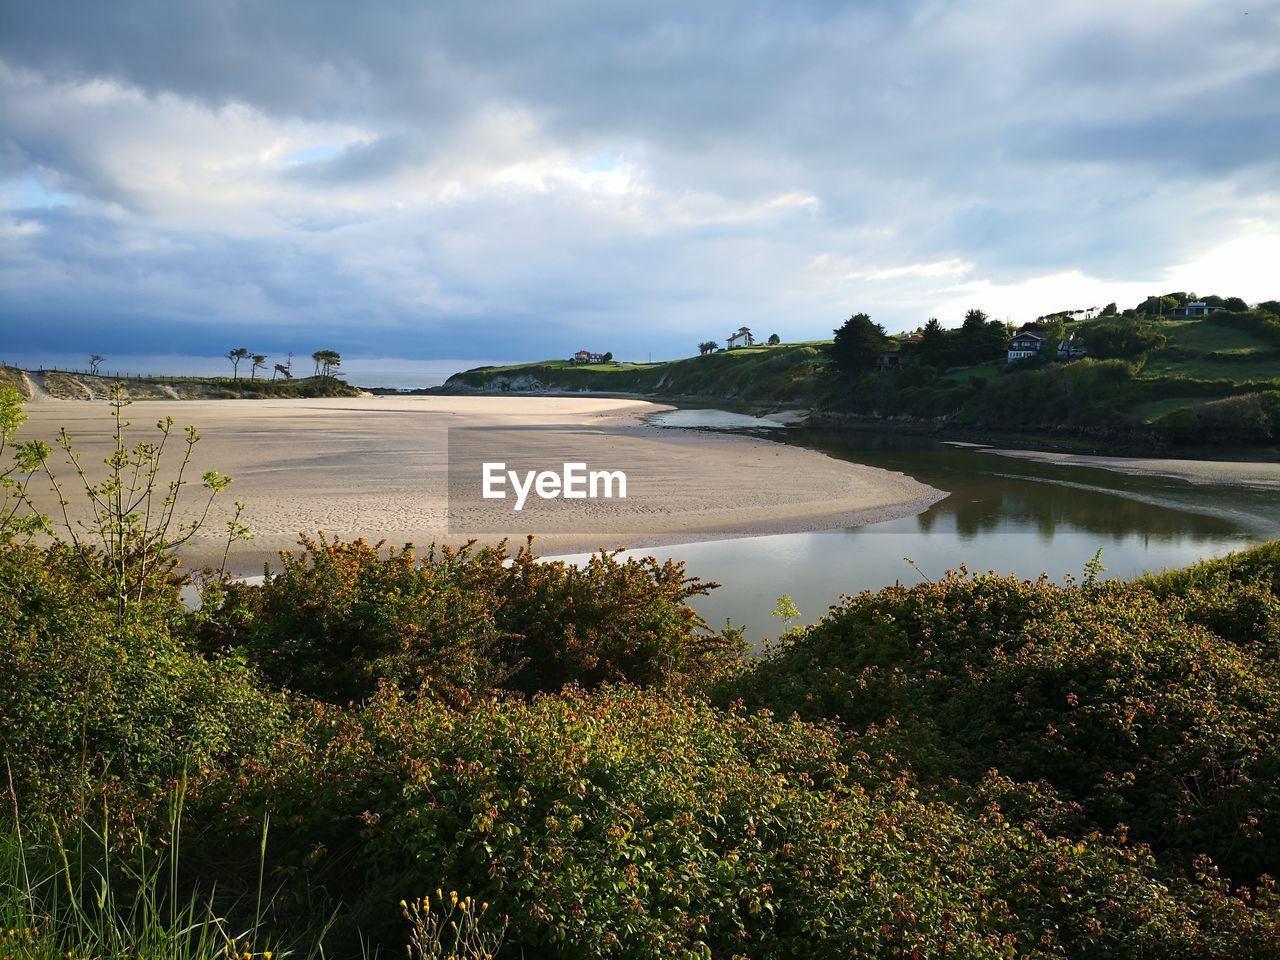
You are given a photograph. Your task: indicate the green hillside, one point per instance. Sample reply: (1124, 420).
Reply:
(1194, 382)
(784, 374)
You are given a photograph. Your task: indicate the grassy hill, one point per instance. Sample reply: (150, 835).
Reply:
(1195, 382)
(784, 374)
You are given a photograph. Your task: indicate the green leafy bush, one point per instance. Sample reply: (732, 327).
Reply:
(340, 618)
(625, 823)
(1124, 339)
(1120, 701)
(91, 708)
(1244, 419)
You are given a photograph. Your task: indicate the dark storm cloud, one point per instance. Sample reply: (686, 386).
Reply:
(402, 176)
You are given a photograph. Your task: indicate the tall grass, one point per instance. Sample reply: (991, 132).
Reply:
(65, 896)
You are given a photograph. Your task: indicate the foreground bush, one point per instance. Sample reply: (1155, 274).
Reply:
(341, 617)
(1107, 693)
(92, 707)
(624, 823)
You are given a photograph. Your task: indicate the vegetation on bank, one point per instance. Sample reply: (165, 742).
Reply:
(375, 745)
(64, 385)
(1149, 378)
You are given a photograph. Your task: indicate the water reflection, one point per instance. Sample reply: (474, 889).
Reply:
(990, 493)
(1003, 514)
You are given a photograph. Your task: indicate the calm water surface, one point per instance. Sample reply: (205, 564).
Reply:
(1002, 514)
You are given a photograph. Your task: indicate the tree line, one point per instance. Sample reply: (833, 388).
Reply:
(326, 362)
(860, 343)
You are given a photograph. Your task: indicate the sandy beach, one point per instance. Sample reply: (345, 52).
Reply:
(1227, 473)
(377, 467)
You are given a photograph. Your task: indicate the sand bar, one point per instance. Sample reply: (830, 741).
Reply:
(377, 467)
(1227, 473)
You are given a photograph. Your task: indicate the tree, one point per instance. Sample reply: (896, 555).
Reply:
(1055, 331)
(1109, 310)
(281, 368)
(1159, 306)
(979, 339)
(259, 363)
(608, 356)
(1123, 339)
(707, 346)
(858, 344)
(774, 339)
(235, 356)
(326, 362)
(1235, 305)
(94, 361)
(932, 349)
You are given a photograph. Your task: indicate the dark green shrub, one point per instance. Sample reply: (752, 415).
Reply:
(1248, 418)
(92, 708)
(340, 618)
(1106, 693)
(624, 823)
(1123, 339)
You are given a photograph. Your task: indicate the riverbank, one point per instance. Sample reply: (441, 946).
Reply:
(377, 467)
(1226, 473)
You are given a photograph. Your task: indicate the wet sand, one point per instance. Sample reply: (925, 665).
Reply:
(1227, 473)
(377, 467)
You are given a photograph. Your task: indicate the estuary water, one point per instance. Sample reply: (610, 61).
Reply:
(1003, 514)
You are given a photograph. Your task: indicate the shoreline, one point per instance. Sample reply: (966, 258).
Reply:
(1246, 474)
(377, 467)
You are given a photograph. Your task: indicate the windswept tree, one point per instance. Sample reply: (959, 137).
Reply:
(281, 368)
(94, 362)
(707, 346)
(235, 356)
(259, 363)
(774, 340)
(326, 362)
(858, 344)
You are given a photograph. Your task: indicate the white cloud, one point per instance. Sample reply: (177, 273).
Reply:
(432, 176)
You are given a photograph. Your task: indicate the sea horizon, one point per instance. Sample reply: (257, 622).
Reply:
(393, 373)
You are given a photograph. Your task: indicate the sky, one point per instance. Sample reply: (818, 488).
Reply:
(520, 180)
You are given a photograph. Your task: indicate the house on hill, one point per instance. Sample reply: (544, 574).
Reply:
(1025, 345)
(1069, 350)
(1197, 308)
(586, 356)
(890, 357)
(742, 338)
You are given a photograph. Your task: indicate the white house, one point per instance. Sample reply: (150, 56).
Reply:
(586, 356)
(1069, 350)
(1197, 308)
(742, 338)
(1025, 345)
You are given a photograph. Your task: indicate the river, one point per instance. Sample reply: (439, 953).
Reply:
(1003, 514)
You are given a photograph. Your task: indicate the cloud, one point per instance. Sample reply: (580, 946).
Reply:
(429, 180)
